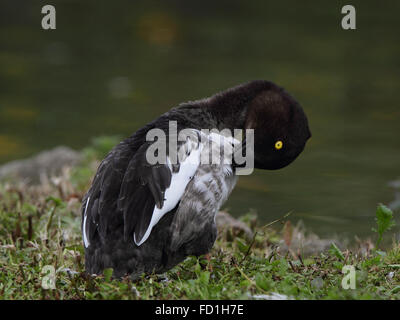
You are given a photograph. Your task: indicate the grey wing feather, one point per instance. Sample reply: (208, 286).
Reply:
(203, 197)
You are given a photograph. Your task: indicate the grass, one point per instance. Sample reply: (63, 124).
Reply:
(40, 235)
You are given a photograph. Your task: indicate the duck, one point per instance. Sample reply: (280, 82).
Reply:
(145, 212)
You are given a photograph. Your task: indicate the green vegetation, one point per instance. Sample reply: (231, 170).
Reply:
(40, 226)
(384, 220)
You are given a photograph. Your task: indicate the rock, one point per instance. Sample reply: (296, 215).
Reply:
(47, 163)
(308, 243)
(226, 222)
(271, 296)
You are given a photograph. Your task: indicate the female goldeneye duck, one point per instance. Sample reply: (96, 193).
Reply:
(141, 217)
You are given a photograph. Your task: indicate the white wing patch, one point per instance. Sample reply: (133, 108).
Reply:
(180, 179)
(175, 191)
(85, 237)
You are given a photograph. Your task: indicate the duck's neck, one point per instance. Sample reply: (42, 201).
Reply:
(224, 110)
(229, 107)
(227, 111)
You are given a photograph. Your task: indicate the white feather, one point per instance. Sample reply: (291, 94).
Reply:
(175, 191)
(85, 238)
(180, 179)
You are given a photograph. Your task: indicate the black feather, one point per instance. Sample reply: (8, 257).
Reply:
(142, 188)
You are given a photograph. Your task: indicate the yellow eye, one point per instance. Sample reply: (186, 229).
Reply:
(278, 145)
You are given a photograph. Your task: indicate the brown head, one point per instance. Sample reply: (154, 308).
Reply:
(280, 125)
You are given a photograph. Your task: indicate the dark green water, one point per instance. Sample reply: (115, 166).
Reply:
(112, 66)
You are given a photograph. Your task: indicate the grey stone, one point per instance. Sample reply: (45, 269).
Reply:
(48, 163)
(225, 222)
